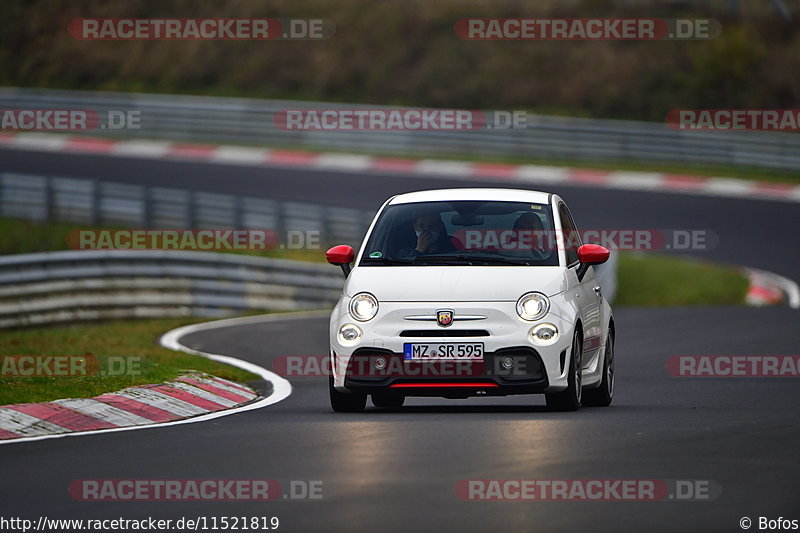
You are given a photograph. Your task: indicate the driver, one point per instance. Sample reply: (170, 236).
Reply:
(530, 232)
(431, 235)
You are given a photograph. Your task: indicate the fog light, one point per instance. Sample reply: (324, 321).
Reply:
(349, 335)
(544, 334)
(380, 363)
(507, 363)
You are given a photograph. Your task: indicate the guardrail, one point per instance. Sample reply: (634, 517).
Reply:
(68, 286)
(52, 287)
(98, 203)
(250, 121)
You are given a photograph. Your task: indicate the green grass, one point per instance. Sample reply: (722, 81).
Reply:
(24, 236)
(132, 338)
(663, 280)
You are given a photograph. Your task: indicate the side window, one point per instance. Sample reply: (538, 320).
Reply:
(572, 239)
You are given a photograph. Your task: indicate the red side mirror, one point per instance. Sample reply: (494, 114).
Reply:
(340, 255)
(592, 254)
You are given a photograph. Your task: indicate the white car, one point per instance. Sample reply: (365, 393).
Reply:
(471, 292)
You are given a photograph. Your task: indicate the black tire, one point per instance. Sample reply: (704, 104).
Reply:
(388, 400)
(602, 396)
(570, 398)
(343, 402)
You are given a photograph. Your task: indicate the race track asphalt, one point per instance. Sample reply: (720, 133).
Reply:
(396, 470)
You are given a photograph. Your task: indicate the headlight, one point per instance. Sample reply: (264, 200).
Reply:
(532, 306)
(349, 335)
(363, 306)
(543, 334)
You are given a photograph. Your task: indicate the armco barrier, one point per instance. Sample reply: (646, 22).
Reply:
(52, 287)
(250, 121)
(96, 202)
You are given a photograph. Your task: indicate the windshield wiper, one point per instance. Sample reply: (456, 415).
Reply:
(388, 260)
(472, 259)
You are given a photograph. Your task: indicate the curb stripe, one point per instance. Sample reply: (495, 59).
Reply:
(162, 401)
(406, 167)
(232, 389)
(203, 393)
(5, 434)
(143, 149)
(90, 144)
(137, 408)
(62, 416)
(768, 288)
(103, 411)
(220, 382)
(217, 391)
(191, 399)
(291, 157)
(26, 425)
(393, 164)
(191, 151)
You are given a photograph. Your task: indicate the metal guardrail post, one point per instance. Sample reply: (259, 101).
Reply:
(94, 205)
(49, 199)
(147, 208)
(238, 212)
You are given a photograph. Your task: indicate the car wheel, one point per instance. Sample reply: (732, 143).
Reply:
(342, 402)
(602, 396)
(388, 400)
(570, 398)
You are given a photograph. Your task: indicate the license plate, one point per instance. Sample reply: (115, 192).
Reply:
(428, 351)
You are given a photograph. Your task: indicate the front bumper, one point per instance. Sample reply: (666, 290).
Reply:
(535, 369)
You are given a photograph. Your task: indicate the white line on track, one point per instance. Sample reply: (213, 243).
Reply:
(281, 388)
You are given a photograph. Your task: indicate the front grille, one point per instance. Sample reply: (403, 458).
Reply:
(444, 333)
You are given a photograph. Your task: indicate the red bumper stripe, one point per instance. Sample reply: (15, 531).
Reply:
(442, 385)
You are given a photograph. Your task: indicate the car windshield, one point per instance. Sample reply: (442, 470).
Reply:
(463, 233)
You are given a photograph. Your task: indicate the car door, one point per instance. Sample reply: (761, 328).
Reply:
(586, 289)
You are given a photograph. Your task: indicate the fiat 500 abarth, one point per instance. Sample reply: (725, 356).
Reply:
(471, 292)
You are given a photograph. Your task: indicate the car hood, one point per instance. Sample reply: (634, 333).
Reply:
(454, 283)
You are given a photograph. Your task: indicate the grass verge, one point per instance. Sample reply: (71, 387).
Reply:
(19, 236)
(109, 342)
(661, 280)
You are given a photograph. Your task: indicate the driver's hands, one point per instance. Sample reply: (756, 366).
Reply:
(424, 241)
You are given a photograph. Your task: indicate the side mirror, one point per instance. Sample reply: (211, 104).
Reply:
(592, 254)
(341, 255)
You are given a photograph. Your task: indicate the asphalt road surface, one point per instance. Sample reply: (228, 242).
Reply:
(397, 470)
